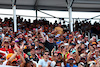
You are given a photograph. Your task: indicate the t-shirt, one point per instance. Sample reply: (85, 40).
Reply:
(78, 41)
(49, 45)
(8, 51)
(60, 30)
(86, 43)
(43, 63)
(67, 65)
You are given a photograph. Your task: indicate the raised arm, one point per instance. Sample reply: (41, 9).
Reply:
(89, 55)
(22, 59)
(77, 54)
(54, 31)
(40, 30)
(11, 58)
(19, 51)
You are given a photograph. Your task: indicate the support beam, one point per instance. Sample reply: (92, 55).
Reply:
(36, 15)
(35, 7)
(14, 14)
(70, 19)
(14, 18)
(69, 6)
(35, 4)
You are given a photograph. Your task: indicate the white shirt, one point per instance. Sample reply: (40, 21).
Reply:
(53, 63)
(86, 43)
(43, 63)
(78, 41)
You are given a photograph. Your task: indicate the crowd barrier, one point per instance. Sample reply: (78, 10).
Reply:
(3, 52)
(18, 66)
(7, 66)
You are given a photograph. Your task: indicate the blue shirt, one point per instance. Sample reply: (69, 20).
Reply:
(67, 65)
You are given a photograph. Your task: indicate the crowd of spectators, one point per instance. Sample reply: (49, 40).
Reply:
(44, 44)
(87, 26)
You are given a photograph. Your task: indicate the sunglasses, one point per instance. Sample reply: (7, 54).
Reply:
(55, 55)
(46, 54)
(51, 37)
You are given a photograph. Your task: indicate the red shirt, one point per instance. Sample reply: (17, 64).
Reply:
(8, 51)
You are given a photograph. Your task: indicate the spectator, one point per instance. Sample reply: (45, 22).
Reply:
(33, 39)
(45, 62)
(58, 29)
(12, 60)
(48, 43)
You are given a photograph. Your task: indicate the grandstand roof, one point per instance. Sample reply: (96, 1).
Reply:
(78, 5)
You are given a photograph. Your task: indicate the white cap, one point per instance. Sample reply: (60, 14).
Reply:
(79, 35)
(66, 44)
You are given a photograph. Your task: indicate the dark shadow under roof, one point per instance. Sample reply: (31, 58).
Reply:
(59, 5)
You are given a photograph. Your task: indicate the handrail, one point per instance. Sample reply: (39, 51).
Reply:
(80, 30)
(95, 35)
(88, 35)
(4, 53)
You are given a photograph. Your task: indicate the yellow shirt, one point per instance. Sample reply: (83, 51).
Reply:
(59, 30)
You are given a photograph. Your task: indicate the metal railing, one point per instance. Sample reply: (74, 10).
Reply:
(93, 34)
(4, 53)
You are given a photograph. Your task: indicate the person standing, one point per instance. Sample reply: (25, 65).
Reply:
(58, 29)
(49, 43)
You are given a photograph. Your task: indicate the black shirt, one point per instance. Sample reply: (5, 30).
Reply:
(49, 45)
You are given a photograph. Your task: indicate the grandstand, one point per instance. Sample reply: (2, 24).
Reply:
(43, 44)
